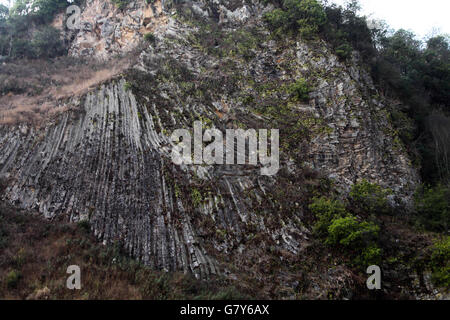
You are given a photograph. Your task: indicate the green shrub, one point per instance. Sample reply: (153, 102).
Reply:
(440, 262)
(40, 11)
(370, 198)
(12, 279)
(149, 37)
(121, 4)
(370, 255)
(127, 86)
(197, 198)
(344, 51)
(338, 228)
(357, 237)
(346, 31)
(304, 17)
(299, 90)
(277, 20)
(349, 232)
(433, 207)
(325, 211)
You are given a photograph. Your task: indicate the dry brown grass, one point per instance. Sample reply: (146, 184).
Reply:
(40, 251)
(33, 91)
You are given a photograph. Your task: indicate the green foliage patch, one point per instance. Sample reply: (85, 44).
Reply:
(370, 198)
(440, 262)
(18, 40)
(305, 17)
(326, 210)
(300, 90)
(12, 279)
(433, 207)
(121, 4)
(336, 227)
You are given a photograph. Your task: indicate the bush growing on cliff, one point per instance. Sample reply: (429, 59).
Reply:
(299, 90)
(341, 27)
(3, 231)
(433, 207)
(358, 237)
(305, 17)
(325, 210)
(338, 228)
(344, 51)
(370, 198)
(12, 279)
(40, 11)
(346, 31)
(121, 3)
(348, 231)
(440, 262)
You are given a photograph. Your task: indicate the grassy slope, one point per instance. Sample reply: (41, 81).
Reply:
(35, 254)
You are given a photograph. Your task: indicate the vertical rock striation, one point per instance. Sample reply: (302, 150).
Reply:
(108, 160)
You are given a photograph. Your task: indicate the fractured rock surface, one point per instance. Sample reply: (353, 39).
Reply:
(108, 160)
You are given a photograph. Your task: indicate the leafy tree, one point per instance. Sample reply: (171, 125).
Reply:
(47, 43)
(437, 71)
(420, 77)
(21, 7)
(346, 31)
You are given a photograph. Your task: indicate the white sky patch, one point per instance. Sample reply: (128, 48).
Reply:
(421, 17)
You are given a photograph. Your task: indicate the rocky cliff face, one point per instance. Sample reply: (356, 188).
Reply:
(105, 30)
(108, 160)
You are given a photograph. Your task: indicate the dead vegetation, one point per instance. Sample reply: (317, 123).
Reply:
(32, 91)
(35, 254)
